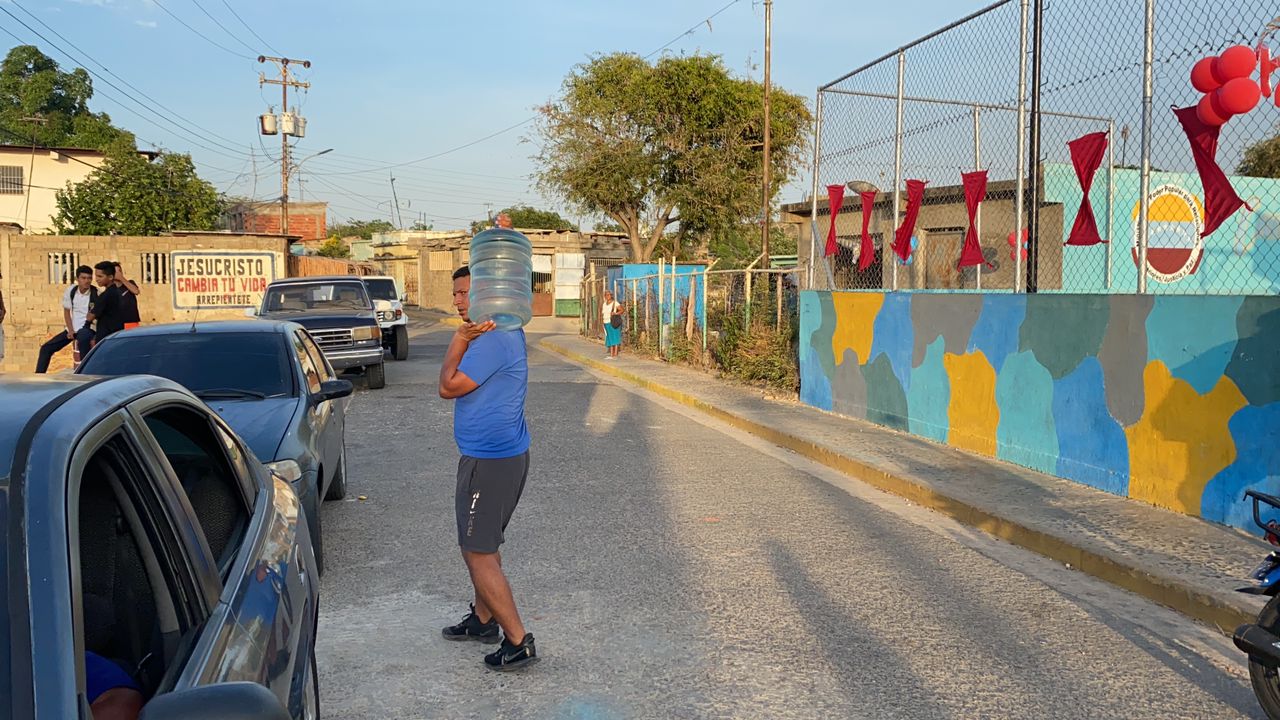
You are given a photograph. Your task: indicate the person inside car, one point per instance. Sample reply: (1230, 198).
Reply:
(112, 693)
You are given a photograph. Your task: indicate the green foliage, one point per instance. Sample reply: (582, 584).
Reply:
(32, 85)
(360, 228)
(422, 226)
(334, 248)
(1262, 159)
(758, 353)
(739, 245)
(130, 195)
(524, 216)
(674, 146)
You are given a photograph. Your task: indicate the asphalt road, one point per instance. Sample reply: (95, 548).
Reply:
(673, 568)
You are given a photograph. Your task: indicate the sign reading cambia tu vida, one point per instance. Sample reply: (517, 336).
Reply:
(1174, 246)
(220, 279)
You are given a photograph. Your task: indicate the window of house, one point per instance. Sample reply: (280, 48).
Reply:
(11, 180)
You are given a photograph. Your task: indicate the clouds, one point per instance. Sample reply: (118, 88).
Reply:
(149, 24)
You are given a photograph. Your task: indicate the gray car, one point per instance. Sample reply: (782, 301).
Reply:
(268, 380)
(139, 529)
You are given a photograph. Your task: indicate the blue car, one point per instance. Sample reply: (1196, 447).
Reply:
(140, 533)
(267, 379)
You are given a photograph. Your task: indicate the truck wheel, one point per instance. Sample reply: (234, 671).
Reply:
(376, 376)
(400, 343)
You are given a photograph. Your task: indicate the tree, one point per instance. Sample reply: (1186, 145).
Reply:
(31, 84)
(131, 195)
(361, 228)
(334, 248)
(524, 216)
(674, 146)
(1262, 159)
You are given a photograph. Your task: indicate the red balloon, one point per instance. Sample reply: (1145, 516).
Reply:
(1210, 112)
(1202, 78)
(1237, 61)
(1239, 96)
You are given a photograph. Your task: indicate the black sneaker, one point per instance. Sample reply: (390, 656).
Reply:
(472, 629)
(510, 657)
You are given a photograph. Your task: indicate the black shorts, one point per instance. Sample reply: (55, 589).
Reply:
(487, 494)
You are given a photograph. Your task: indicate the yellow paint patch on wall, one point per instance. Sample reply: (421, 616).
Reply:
(973, 413)
(855, 323)
(1182, 440)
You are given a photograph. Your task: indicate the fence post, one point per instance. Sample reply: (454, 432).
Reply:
(1020, 199)
(1148, 90)
(814, 253)
(1033, 225)
(706, 278)
(778, 326)
(1111, 194)
(746, 282)
(977, 165)
(897, 156)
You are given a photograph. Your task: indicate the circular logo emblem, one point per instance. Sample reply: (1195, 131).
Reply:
(1174, 246)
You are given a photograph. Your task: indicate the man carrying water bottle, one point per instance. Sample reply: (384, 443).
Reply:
(487, 373)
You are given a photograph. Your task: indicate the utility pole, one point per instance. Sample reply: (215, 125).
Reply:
(764, 231)
(396, 201)
(36, 121)
(285, 82)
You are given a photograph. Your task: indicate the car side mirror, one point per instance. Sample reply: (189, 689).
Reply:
(251, 312)
(223, 701)
(334, 390)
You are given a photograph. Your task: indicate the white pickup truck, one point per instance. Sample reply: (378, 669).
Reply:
(389, 304)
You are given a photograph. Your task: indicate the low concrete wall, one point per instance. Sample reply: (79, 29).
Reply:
(1173, 400)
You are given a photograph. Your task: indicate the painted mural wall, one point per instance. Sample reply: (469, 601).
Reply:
(1172, 400)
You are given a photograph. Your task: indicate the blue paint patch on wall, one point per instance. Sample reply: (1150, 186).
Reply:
(815, 382)
(1092, 446)
(996, 333)
(1188, 334)
(929, 396)
(894, 335)
(1256, 431)
(1027, 434)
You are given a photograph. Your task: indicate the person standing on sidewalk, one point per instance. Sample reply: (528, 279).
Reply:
(486, 373)
(614, 316)
(77, 302)
(107, 314)
(129, 292)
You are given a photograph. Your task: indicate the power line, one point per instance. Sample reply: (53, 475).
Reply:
(126, 82)
(207, 39)
(693, 29)
(248, 27)
(224, 27)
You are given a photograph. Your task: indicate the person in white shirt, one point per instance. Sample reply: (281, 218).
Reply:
(77, 303)
(614, 317)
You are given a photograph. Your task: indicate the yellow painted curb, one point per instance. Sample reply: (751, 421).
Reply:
(1182, 598)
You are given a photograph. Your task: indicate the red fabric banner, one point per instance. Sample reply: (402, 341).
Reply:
(902, 238)
(975, 190)
(1086, 156)
(835, 198)
(867, 254)
(1220, 199)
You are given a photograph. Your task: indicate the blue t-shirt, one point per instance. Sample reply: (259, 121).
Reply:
(101, 675)
(488, 422)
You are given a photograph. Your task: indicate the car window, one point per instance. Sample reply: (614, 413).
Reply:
(382, 289)
(205, 363)
(336, 296)
(136, 607)
(308, 365)
(200, 463)
(317, 357)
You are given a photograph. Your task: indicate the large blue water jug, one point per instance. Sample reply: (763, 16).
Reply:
(501, 278)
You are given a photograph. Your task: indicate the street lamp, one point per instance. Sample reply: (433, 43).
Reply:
(298, 165)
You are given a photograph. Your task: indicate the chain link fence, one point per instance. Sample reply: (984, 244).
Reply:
(739, 322)
(1010, 90)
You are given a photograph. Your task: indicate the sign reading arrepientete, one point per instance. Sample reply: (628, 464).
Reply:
(220, 279)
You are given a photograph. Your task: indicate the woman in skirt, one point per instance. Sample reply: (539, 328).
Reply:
(612, 314)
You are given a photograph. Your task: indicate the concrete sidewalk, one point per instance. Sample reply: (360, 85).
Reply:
(1187, 564)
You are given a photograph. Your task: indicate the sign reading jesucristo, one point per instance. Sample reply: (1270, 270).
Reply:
(220, 279)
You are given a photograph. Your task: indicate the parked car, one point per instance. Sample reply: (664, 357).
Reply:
(268, 381)
(338, 313)
(389, 306)
(139, 528)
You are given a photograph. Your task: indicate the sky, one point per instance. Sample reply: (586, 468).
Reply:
(424, 85)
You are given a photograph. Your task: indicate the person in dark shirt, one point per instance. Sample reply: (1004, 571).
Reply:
(107, 312)
(129, 292)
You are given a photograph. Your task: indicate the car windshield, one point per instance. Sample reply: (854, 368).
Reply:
(382, 289)
(226, 365)
(317, 297)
